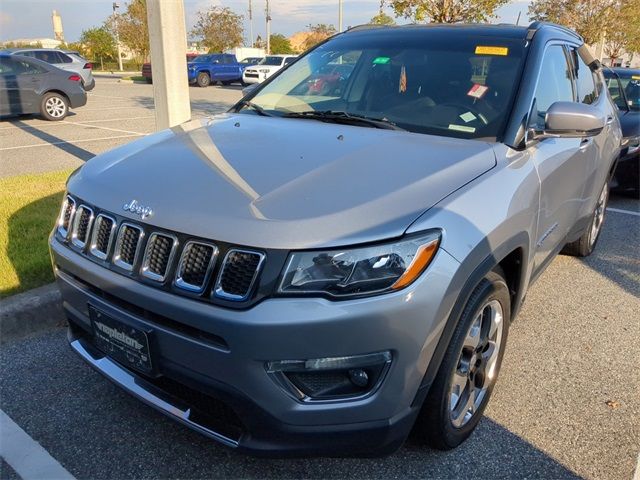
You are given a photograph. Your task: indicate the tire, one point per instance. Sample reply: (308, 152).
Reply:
(203, 79)
(54, 106)
(469, 368)
(584, 246)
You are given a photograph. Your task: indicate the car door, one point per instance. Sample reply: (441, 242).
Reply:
(9, 92)
(217, 67)
(561, 162)
(23, 85)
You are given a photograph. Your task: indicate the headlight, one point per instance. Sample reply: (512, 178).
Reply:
(359, 271)
(264, 70)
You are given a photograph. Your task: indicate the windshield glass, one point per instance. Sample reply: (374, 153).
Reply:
(273, 61)
(419, 79)
(631, 85)
(203, 59)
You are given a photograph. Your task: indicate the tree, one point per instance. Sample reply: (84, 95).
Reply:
(382, 19)
(132, 28)
(99, 44)
(280, 44)
(219, 28)
(318, 33)
(446, 11)
(617, 21)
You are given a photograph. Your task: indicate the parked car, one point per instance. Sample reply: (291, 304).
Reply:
(327, 297)
(65, 60)
(268, 66)
(31, 86)
(148, 74)
(624, 87)
(217, 67)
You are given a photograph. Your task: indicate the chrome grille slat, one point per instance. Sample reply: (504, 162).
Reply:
(66, 216)
(104, 228)
(195, 266)
(81, 226)
(128, 246)
(238, 274)
(158, 256)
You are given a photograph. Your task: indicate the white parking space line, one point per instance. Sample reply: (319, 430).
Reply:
(126, 107)
(102, 128)
(26, 456)
(57, 124)
(72, 142)
(636, 475)
(619, 210)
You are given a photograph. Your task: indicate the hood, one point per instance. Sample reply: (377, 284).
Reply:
(281, 183)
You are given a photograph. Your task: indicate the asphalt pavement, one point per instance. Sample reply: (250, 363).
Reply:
(115, 113)
(567, 403)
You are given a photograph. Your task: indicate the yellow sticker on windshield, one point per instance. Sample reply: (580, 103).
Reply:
(635, 77)
(480, 50)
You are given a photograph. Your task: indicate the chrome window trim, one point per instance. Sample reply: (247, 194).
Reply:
(144, 270)
(219, 292)
(180, 283)
(76, 221)
(116, 254)
(96, 226)
(64, 233)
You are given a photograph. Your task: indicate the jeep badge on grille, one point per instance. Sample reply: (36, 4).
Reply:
(134, 207)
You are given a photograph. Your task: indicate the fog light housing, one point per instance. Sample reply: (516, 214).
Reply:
(331, 378)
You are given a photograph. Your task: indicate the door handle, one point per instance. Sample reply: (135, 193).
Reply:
(609, 119)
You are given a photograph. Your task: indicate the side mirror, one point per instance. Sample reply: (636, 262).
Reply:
(247, 90)
(571, 119)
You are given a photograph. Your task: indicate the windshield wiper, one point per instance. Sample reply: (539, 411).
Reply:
(345, 118)
(253, 106)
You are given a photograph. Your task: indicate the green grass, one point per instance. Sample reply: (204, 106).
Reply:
(136, 78)
(29, 206)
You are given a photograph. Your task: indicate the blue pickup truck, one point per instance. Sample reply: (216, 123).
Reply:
(215, 67)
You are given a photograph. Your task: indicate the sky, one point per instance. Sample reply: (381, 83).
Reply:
(32, 18)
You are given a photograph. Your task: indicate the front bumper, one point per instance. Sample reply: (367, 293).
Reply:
(268, 420)
(253, 79)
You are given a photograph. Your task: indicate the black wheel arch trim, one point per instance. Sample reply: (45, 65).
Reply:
(518, 242)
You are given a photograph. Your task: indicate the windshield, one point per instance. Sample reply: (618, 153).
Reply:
(419, 80)
(203, 59)
(631, 85)
(272, 61)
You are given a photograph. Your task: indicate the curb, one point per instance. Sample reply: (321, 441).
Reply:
(30, 312)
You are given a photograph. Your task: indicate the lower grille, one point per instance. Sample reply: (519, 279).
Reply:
(127, 246)
(102, 236)
(239, 272)
(158, 256)
(81, 226)
(68, 209)
(195, 266)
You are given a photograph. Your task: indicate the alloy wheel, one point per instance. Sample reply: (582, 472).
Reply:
(476, 369)
(55, 107)
(598, 215)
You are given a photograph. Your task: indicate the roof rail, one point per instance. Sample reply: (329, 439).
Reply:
(537, 25)
(366, 26)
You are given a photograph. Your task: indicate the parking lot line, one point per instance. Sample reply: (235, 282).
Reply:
(25, 455)
(102, 128)
(620, 210)
(56, 124)
(73, 142)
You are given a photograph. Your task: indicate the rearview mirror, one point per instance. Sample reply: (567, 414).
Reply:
(571, 119)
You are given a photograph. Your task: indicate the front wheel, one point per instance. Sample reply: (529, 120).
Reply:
(203, 79)
(54, 107)
(584, 246)
(470, 367)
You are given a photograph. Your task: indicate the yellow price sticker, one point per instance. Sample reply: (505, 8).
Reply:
(481, 50)
(635, 77)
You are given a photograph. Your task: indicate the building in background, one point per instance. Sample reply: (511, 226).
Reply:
(58, 32)
(33, 42)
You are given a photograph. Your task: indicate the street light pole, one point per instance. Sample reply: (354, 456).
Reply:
(339, 16)
(115, 21)
(268, 15)
(250, 25)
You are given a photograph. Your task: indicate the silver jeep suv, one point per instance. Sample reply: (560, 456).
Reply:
(338, 258)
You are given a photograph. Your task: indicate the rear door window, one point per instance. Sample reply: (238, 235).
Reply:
(554, 84)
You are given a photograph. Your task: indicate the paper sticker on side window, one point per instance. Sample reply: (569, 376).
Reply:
(484, 50)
